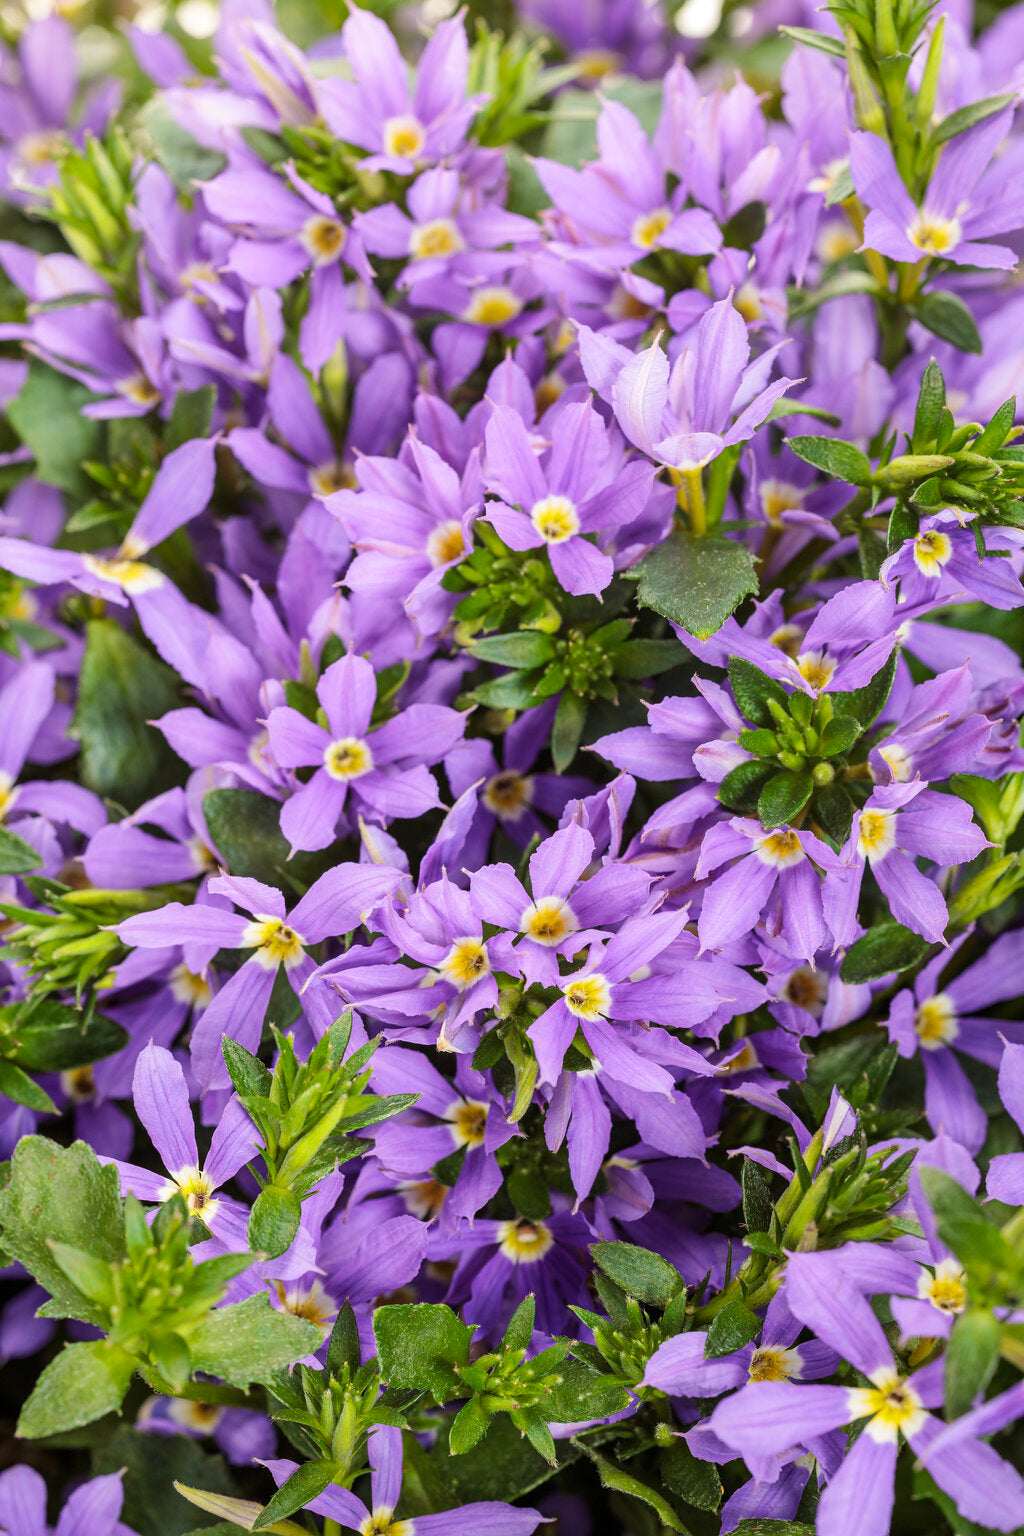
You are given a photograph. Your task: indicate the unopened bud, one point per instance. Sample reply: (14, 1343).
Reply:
(822, 774)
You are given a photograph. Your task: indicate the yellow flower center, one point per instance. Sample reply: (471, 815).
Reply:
(139, 390)
(8, 794)
(778, 496)
(202, 1416)
(467, 1118)
(745, 1060)
(890, 1405)
(932, 550)
(806, 988)
(195, 1185)
(594, 63)
(508, 795)
(781, 849)
(548, 921)
(383, 1523)
(836, 241)
(773, 1363)
(328, 478)
(274, 942)
(524, 1242)
(311, 1303)
(404, 137)
(189, 988)
(748, 302)
(935, 1022)
(787, 639)
(815, 668)
(439, 237)
(588, 997)
(79, 1084)
(946, 1289)
(41, 147)
(649, 227)
(131, 575)
(323, 238)
(348, 758)
(424, 1198)
(877, 835)
(465, 963)
(898, 761)
(492, 306)
(446, 543)
(555, 519)
(933, 235)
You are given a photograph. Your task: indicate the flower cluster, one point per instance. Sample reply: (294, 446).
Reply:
(511, 778)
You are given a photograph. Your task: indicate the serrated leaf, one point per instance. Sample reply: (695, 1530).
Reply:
(882, 950)
(583, 1393)
(730, 1329)
(783, 798)
(420, 1345)
(639, 1272)
(696, 581)
(273, 1222)
(79, 1385)
(247, 1341)
(842, 460)
(695, 1482)
(61, 1194)
(16, 856)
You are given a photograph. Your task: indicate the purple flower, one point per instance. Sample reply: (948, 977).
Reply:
(402, 129)
(942, 563)
(685, 414)
(773, 867)
(385, 768)
(771, 1417)
(335, 904)
(92, 1510)
(961, 206)
(384, 1449)
(575, 490)
(899, 823)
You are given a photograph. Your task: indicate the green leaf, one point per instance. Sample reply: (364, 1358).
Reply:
(730, 1329)
(245, 828)
(528, 648)
(865, 704)
(121, 689)
(834, 809)
(757, 1201)
(636, 660)
(468, 1427)
(567, 729)
(571, 137)
(773, 1528)
(305, 1484)
(622, 1482)
(761, 742)
(783, 798)
(53, 1037)
(945, 314)
(583, 1393)
(47, 417)
(184, 159)
(60, 1194)
(16, 856)
(696, 581)
(248, 1075)
(972, 1355)
(248, 1340)
(752, 688)
(421, 1345)
(17, 1086)
(842, 460)
(695, 1482)
(966, 117)
(152, 1461)
(888, 947)
(81, 1384)
(520, 1325)
(811, 39)
(742, 785)
(640, 1273)
(514, 690)
(783, 408)
(273, 1223)
(343, 1348)
(963, 1224)
(839, 735)
(191, 416)
(503, 1465)
(931, 397)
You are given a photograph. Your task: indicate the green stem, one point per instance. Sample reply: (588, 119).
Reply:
(691, 494)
